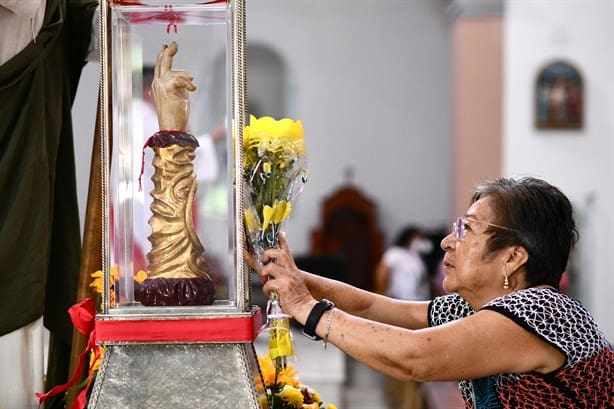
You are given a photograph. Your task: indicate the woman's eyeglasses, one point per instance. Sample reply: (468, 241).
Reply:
(459, 227)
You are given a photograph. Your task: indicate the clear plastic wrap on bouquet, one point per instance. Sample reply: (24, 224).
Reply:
(275, 171)
(274, 168)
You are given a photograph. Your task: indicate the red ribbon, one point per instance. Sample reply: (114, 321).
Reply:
(83, 317)
(218, 329)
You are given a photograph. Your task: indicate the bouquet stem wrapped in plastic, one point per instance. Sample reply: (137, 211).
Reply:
(274, 170)
(280, 338)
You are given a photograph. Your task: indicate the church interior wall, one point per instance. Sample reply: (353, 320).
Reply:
(579, 161)
(372, 84)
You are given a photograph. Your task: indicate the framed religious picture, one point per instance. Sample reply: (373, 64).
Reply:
(559, 97)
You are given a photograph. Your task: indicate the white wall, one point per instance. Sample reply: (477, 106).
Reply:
(371, 84)
(578, 161)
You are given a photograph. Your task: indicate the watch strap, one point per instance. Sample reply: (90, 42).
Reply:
(309, 330)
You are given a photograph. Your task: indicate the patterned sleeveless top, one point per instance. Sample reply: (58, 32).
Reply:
(586, 380)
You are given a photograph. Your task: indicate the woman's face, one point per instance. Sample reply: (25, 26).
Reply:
(468, 269)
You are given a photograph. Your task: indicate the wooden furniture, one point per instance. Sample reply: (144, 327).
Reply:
(349, 232)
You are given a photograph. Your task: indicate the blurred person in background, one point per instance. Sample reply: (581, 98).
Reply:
(401, 274)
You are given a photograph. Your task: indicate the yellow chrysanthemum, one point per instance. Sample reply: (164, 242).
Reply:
(267, 369)
(287, 376)
(98, 276)
(315, 395)
(114, 270)
(331, 406)
(292, 396)
(97, 362)
(267, 134)
(97, 283)
(267, 125)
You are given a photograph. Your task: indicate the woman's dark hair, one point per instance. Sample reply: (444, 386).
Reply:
(406, 235)
(541, 219)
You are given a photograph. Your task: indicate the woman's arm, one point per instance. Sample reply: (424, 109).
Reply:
(482, 344)
(365, 304)
(312, 287)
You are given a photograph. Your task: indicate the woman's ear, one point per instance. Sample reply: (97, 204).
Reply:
(516, 258)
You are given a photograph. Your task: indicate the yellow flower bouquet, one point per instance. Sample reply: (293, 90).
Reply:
(274, 169)
(284, 389)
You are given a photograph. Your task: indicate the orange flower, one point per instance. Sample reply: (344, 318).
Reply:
(287, 376)
(97, 282)
(140, 276)
(96, 364)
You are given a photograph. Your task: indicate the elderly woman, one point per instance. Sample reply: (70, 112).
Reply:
(507, 334)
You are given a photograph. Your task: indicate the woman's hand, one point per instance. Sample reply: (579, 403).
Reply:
(170, 89)
(280, 274)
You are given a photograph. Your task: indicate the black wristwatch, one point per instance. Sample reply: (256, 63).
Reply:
(309, 330)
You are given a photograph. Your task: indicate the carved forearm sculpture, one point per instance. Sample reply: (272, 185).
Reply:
(176, 273)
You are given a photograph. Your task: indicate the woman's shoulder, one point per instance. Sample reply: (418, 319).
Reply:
(448, 308)
(539, 300)
(555, 317)
(533, 294)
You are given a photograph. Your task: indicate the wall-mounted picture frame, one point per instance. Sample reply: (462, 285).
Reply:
(559, 95)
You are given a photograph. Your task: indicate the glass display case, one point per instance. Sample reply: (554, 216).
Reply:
(172, 235)
(176, 305)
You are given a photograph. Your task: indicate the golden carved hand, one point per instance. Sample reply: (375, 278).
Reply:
(170, 89)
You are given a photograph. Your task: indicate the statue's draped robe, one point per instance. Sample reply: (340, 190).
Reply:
(39, 219)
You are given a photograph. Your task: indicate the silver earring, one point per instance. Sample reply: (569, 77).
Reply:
(506, 283)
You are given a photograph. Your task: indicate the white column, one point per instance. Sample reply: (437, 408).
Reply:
(22, 363)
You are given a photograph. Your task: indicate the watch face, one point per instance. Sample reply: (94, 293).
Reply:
(312, 337)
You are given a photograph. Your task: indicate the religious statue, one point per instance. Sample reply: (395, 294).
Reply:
(176, 274)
